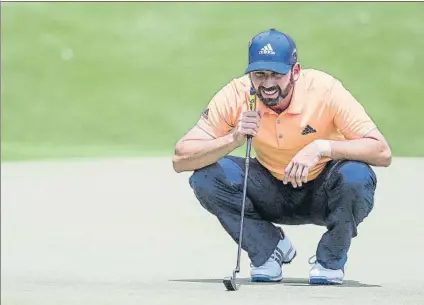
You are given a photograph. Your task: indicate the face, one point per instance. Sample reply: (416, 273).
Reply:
(272, 88)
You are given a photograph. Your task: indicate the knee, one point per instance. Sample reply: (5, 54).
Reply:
(224, 174)
(202, 181)
(357, 183)
(356, 177)
(214, 183)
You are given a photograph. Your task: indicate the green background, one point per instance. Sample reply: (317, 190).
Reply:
(127, 79)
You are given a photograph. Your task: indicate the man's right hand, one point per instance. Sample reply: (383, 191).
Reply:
(248, 124)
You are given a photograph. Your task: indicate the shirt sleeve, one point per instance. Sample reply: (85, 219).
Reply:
(221, 114)
(350, 117)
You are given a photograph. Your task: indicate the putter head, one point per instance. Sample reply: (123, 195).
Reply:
(230, 283)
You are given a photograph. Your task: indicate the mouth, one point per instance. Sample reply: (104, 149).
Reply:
(270, 93)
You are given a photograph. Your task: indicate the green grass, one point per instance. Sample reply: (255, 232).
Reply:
(112, 79)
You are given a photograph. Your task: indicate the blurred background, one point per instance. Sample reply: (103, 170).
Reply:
(129, 79)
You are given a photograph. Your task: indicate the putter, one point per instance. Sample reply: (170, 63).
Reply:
(230, 282)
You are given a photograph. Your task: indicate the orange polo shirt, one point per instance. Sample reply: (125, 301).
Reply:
(321, 108)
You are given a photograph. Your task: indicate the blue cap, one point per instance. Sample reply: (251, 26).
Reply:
(273, 51)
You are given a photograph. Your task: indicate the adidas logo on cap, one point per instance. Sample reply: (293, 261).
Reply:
(267, 50)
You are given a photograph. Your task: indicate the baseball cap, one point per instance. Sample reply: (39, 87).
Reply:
(272, 50)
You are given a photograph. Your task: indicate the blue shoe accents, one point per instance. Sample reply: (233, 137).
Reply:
(266, 278)
(323, 281)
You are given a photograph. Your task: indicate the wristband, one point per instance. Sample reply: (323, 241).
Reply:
(324, 147)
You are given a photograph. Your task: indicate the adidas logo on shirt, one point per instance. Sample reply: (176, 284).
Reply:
(267, 50)
(308, 129)
(205, 113)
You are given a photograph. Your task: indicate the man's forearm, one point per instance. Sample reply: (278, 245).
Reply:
(194, 154)
(367, 150)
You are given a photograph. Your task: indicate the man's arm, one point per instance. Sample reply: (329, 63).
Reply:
(364, 142)
(198, 149)
(221, 129)
(372, 149)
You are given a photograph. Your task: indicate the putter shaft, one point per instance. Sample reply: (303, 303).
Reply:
(247, 159)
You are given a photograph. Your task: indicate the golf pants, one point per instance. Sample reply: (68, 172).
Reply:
(339, 198)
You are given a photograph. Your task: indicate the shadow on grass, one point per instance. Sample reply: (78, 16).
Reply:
(284, 282)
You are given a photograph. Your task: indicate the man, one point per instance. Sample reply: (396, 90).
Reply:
(314, 145)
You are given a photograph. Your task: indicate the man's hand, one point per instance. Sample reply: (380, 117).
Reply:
(248, 124)
(297, 170)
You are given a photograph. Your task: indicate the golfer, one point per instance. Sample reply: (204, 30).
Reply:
(314, 144)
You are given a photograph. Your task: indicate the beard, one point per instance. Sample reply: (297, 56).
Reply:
(282, 94)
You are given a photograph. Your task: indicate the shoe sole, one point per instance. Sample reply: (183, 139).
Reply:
(324, 281)
(266, 278)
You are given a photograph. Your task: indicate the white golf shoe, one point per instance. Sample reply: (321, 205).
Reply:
(271, 270)
(318, 275)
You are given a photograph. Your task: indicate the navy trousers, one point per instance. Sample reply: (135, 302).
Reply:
(339, 198)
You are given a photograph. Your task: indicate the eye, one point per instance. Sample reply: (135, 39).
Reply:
(259, 74)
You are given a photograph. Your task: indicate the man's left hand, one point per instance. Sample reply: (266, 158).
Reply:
(297, 170)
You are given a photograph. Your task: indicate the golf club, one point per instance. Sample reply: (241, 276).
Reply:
(230, 282)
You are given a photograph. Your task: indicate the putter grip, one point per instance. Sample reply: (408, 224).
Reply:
(248, 147)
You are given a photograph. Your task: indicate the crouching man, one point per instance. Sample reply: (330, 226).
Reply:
(314, 144)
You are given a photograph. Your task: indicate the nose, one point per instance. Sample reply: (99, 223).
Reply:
(268, 82)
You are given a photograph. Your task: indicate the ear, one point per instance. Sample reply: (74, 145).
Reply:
(296, 71)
